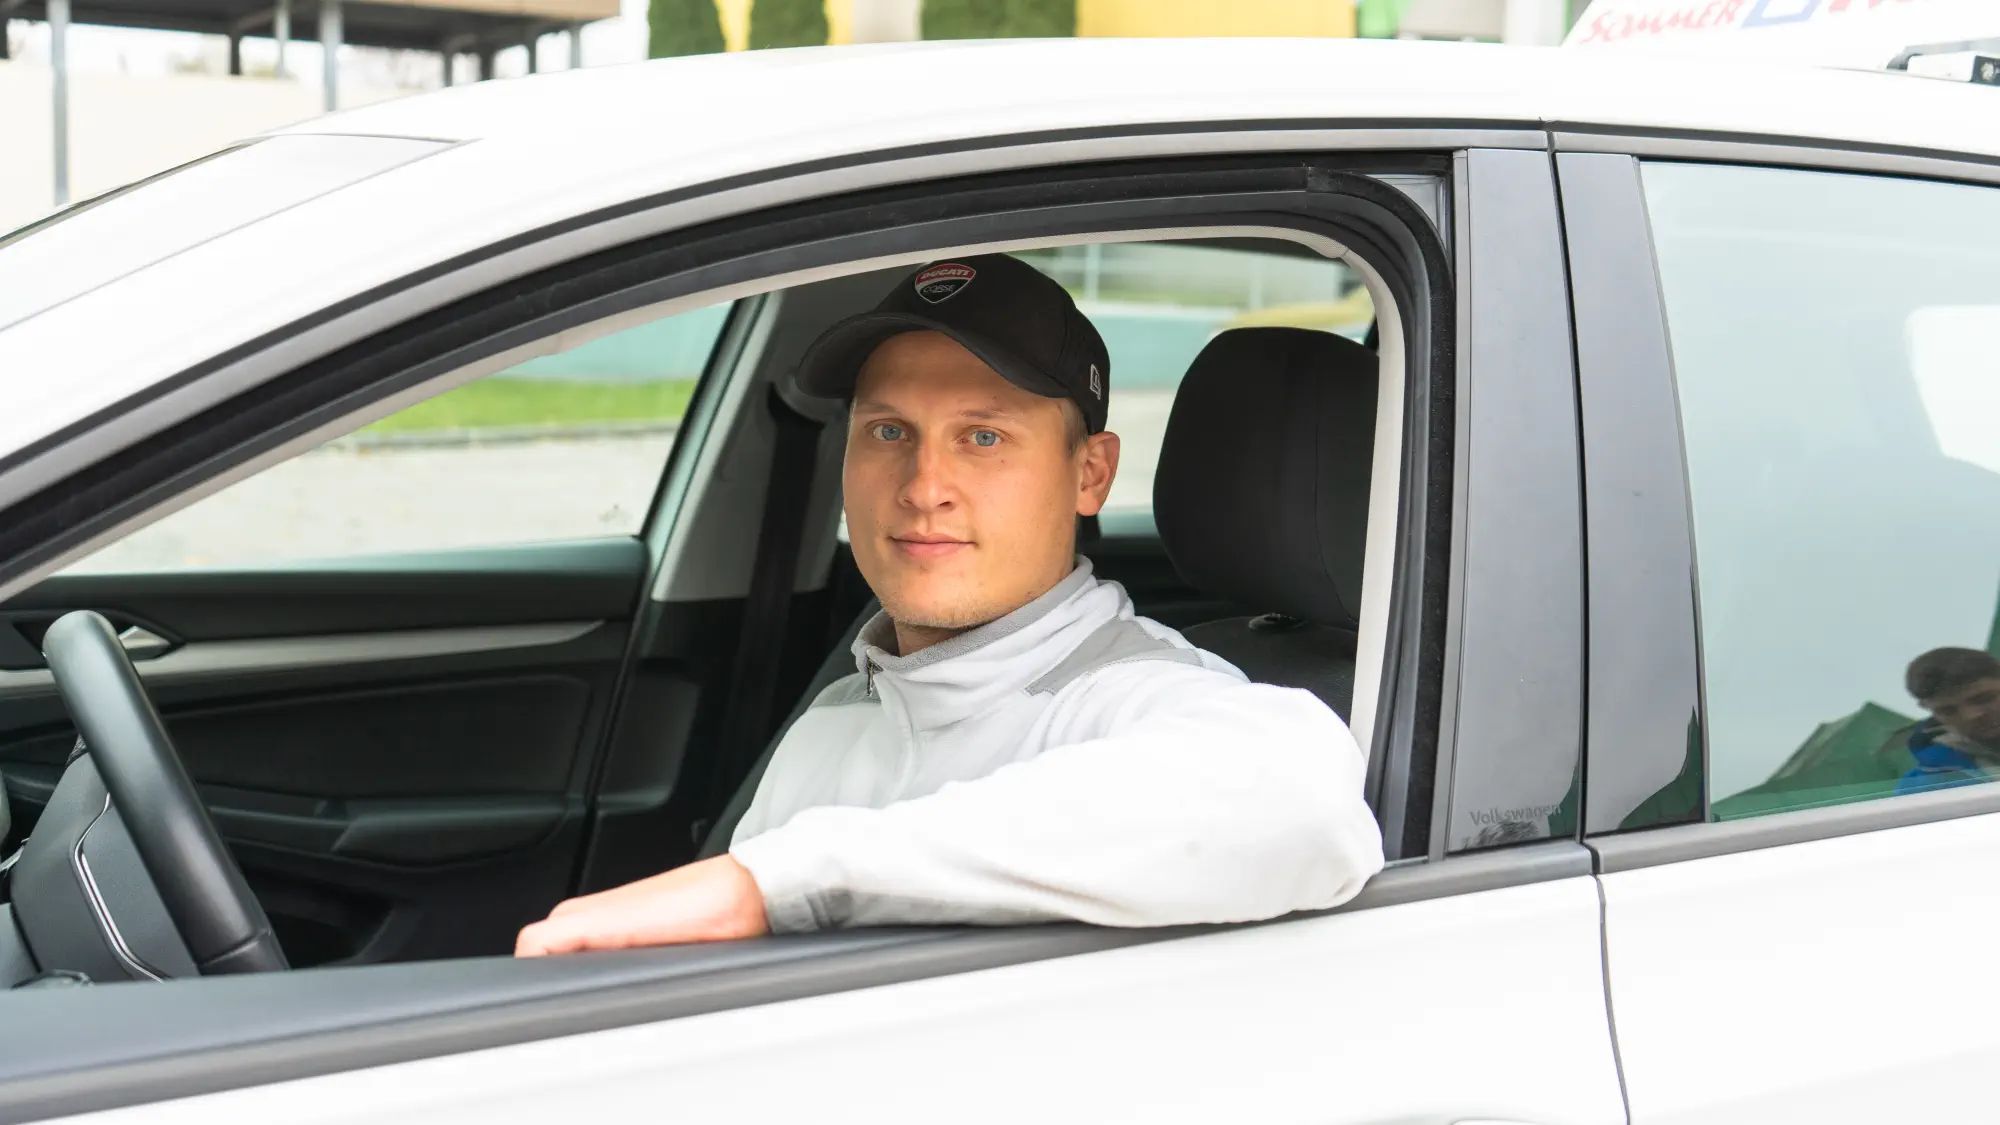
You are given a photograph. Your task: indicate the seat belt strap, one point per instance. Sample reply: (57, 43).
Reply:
(760, 647)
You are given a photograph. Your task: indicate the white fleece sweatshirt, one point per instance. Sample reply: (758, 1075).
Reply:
(1068, 761)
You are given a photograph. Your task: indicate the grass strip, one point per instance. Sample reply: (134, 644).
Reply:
(542, 402)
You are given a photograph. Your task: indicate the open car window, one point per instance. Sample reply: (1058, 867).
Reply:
(1157, 304)
(565, 446)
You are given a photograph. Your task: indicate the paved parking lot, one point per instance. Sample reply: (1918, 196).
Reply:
(340, 500)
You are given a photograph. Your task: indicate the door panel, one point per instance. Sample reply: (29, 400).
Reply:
(1823, 981)
(1478, 1006)
(397, 748)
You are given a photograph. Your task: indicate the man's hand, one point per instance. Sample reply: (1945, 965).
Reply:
(713, 900)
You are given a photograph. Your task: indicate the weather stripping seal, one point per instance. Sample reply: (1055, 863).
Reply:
(1785, 152)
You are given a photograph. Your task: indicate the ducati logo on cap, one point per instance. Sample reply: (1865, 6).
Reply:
(943, 280)
(1096, 382)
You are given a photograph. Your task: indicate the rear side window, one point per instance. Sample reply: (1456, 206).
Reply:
(1836, 347)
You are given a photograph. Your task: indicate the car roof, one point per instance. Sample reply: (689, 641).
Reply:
(971, 89)
(615, 153)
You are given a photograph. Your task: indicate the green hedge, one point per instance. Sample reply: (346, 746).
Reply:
(682, 27)
(999, 19)
(787, 23)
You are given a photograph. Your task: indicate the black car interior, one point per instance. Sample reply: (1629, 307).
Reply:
(509, 726)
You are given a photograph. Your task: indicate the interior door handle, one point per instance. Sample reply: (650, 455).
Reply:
(21, 635)
(142, 643)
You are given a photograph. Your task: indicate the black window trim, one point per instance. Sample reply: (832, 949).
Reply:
(1643, 593)
(1776, 152)
(1647, 847)
(1516, 603)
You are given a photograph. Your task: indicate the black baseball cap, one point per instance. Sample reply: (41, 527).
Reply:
(1005, 311)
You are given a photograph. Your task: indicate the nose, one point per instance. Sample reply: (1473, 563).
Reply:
(929, 486)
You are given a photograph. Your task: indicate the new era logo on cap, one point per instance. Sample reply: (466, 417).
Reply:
(1096, 382)
(942, 280)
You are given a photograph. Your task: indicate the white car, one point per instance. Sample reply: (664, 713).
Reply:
(438, 468)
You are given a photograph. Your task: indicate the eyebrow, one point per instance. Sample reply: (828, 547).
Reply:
(982, 415)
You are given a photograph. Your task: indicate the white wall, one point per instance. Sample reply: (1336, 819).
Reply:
(126, 127)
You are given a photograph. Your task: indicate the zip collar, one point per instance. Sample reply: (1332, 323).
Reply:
(965, 675)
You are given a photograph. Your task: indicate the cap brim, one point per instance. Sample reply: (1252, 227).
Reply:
(833, 362)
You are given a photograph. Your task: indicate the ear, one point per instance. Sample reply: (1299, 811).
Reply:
(1097, 468)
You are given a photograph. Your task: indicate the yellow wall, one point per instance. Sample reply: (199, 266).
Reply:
(840, 21)
(1124, 18)
(1215, 17)
(736, 22)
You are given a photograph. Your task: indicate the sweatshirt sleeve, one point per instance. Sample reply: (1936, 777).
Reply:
(1218, 801)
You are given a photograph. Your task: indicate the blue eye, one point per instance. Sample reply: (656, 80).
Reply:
(889, 431)
(985, 438)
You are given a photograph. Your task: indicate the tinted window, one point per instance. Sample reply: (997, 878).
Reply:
(1837, 350)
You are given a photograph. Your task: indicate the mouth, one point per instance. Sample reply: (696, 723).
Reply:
(919, 545)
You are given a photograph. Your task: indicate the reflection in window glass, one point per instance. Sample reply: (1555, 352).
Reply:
(1834, 347)
(1158, 303)
(564, 446)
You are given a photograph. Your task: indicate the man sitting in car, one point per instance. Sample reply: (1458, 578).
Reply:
(1015, 744)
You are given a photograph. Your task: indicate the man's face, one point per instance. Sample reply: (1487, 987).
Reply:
(962, 490)
(1972, 711)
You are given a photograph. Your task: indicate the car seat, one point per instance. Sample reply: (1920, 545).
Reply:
(1261, 499)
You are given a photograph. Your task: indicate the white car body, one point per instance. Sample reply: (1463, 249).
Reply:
(1590, 990)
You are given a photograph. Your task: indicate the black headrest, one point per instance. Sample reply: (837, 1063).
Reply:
(1261, 495)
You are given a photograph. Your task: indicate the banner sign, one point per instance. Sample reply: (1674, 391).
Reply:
(1835, 32)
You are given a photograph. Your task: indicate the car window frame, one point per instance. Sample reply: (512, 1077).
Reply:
(1633, 441)
(314, 397)
(1434, 330)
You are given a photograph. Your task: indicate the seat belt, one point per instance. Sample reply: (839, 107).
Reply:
(760, 646)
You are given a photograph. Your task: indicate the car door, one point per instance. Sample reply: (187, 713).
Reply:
(1794, 868)
(1467, 984)
(390, 663)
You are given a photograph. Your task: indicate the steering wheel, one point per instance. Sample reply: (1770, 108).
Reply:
(219, 921)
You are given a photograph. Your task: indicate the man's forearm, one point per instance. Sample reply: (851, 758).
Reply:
(1243, 805)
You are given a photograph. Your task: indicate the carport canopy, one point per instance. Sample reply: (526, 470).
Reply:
(460, 26)
(450, 27)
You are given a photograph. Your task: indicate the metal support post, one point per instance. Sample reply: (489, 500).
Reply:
(1539, 23)
(59, 65)
(235, 56)
(576, 46)
(281, 30)
(485, 63)
(529, 44)
(329, 45)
